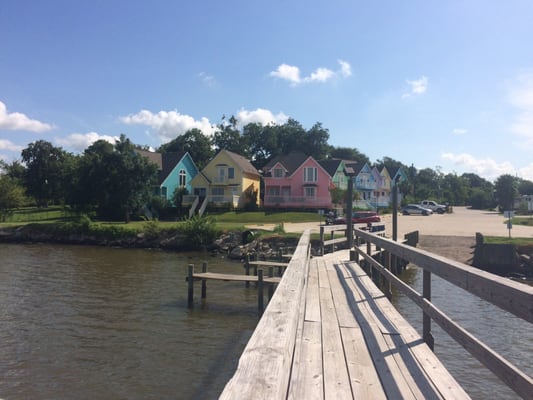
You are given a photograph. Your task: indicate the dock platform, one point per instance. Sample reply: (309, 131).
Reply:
(339, 337)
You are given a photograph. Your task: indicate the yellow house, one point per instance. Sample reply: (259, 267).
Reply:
(228, 179)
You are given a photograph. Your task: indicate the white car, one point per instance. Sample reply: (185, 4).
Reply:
(415, 209)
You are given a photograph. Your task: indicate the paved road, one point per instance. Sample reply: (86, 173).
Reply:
(462, 222)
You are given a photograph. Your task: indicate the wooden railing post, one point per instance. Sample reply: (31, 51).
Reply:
(321, 240)
(426, 319)
(247, 268)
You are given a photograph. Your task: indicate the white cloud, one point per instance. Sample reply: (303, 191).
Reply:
(291, 73)
(207, 80)
(417, 87)
(20, 122)
(346, 69)
(260, 115)
(521, 96)
(287, 72)
(9, 146)
(459, 131)
(168, 124)
(486, 168)
(80, 141)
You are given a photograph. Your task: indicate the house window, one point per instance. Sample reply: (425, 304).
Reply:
(273, 190)
(221, 174)
(216, 191)
(183, 178)
(231, 173)
(278, 173)
(164, 191)
(310, 192)
(310, 174)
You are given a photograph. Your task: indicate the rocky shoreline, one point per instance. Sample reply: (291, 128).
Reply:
(235, 245)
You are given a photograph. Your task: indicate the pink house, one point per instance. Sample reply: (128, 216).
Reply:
(296, 180)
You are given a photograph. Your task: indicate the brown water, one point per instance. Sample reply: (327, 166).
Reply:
(104, 323)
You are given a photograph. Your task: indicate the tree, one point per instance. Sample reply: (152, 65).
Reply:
(11, 195)
(506, 191)
(44, 178)
(195, 143)
(114, 179)
(352, 154)
(228, 137)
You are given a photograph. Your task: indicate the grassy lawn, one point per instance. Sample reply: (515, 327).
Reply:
(506, 240)
(225, 221)
(528, 221)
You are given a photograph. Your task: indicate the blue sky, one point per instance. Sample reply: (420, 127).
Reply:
(441, 84)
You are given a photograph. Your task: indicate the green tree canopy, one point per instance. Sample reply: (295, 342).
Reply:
(114, 179)
(506, 191)
(45, 171)
(195, 143)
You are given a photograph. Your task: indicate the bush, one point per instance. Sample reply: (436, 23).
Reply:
(199, 231)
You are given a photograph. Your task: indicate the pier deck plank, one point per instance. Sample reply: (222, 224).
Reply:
(233, 277)
(349, 342)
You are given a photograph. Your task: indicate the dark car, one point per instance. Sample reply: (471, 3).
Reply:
(360, 217)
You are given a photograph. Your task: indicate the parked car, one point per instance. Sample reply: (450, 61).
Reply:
(415, 209)
(359, 217)
(434, 206)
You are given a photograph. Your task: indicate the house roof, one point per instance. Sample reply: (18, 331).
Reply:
(165, 162)
(244, 164)
(290, 162)
(331, 165)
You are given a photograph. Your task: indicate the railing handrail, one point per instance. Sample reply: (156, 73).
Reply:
(272, 343)
(511, 296)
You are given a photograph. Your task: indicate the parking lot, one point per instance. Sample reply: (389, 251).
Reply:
(462, 222)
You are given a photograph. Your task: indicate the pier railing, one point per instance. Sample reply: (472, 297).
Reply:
(508, 295)
(269, 350)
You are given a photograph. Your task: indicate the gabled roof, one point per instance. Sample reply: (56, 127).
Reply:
(165, 162)
(244, 164)
(290, 162)
(331, 165)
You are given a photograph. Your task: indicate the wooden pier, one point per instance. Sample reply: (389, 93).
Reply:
(330, 333)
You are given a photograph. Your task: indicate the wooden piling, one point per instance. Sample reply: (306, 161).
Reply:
(260, 299)
(190, 296)
(204, 281)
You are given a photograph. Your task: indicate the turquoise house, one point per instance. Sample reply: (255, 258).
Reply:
(176, 170)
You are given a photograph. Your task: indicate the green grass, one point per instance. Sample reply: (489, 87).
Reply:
(261, 217)
(506, 240)
(527, 221)
(226, 221)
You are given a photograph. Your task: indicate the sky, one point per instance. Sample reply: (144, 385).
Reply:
(446, 85)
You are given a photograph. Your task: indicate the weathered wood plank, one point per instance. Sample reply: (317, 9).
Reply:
(231, 277)
(439, 376)
(312, 301)
(336, 379)
(264, 368)
(269, 263)
(307, 380)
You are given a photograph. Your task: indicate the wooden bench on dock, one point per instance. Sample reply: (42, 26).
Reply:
(329, 333)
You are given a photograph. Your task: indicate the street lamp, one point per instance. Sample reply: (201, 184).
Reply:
(350, 173)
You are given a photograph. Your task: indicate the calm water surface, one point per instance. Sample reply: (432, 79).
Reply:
(508, 335)
(104, 323)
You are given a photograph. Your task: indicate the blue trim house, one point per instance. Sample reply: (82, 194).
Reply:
(174, 169)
